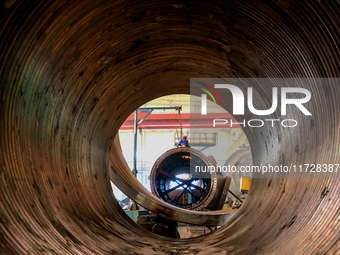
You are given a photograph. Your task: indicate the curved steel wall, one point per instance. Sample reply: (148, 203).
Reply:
(72, 71)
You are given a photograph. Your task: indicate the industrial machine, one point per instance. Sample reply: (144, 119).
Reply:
(185, 178)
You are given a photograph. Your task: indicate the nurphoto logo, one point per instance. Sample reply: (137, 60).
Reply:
(239, 105)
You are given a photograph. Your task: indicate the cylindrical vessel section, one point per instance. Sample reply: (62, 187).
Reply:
(174, 178)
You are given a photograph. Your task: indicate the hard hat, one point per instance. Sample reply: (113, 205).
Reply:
(185, 137)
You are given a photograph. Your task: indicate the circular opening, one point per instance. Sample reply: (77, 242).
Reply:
(172, 179)
(150, 139)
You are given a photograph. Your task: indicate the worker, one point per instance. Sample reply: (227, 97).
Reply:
(183, 142)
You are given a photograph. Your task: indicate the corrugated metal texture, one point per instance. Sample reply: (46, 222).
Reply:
(73, 71)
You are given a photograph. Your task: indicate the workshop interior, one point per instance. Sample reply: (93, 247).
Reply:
(103, 129)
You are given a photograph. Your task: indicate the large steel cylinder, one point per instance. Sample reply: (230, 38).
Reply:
(174, 179)
(71, 72)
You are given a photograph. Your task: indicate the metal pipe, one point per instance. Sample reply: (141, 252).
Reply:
(73, 71)
(236, 196)
(134, 170)
(135, 143)
(160, 108)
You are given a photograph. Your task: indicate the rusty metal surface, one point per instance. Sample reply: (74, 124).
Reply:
(123, 178)
(73, 71)
(212, 187)
(223, 192)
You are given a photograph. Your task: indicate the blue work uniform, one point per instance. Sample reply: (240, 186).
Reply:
(184, 142)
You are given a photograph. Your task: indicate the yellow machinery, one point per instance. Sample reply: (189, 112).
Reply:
(245, 184)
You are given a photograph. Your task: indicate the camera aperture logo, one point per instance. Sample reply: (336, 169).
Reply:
(239, 105)
(214, 95)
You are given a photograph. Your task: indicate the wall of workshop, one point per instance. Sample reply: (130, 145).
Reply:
(151, 144)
